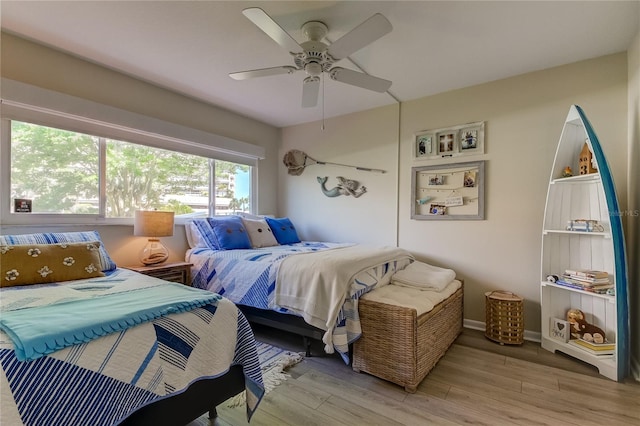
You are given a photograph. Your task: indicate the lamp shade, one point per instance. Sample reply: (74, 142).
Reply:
(151, 223)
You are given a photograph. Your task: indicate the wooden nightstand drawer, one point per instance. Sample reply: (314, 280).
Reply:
(176, 272)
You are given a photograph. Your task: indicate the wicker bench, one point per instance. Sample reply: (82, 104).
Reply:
(399, 346)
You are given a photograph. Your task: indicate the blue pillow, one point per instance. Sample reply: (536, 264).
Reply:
(283, 230)
(62, 237)
(230, 233)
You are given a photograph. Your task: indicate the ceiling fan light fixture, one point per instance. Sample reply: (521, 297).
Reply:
(313, 68)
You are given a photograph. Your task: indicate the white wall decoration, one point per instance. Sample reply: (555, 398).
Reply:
(464, 139)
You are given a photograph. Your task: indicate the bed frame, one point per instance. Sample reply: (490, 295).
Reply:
(201, 396)
(284, 322)
(204, 395)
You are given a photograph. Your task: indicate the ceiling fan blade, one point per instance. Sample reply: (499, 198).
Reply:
(365, 33)
(310, 89)
(272, 29)
(359, 79)
(263, 72)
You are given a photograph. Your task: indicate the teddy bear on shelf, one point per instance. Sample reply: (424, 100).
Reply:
(580, 328)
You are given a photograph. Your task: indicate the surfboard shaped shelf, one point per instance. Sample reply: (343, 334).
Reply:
(584, 197)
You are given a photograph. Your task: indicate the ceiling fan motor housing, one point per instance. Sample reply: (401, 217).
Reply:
(314, 59)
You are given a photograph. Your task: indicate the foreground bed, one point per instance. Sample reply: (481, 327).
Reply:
(165, 364)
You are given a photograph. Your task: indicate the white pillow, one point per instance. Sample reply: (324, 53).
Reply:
(259, 232)
(193, 235)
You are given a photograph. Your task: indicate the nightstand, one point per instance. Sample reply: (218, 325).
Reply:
(179, 272)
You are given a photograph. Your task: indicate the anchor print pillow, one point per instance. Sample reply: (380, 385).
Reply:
(47, 263)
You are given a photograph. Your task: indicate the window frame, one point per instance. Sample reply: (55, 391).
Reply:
(39, 106)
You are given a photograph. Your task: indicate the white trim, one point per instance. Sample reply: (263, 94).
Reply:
(24, 102)
(532, 336)
(30, 103)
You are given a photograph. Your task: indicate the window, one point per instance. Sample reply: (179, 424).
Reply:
(65, 172)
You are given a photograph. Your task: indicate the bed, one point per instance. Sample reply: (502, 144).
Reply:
(149, 352)
(311, 288)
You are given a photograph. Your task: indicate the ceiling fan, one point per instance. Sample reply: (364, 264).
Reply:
(315, 57)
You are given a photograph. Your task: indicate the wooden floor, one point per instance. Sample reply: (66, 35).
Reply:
(478, 382)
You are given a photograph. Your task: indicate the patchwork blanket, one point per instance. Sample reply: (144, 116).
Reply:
(104, 379)
(251, 278)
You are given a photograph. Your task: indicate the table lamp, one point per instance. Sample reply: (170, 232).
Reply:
(153, 224)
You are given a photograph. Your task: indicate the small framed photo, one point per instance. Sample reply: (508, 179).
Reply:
(469, 180)
(447, 143)
(436, 180)
(438, 209)
(425, 145)
(559, 329)
(471, 139)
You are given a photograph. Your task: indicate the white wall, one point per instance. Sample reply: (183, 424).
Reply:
(524, 116)
(368, 139)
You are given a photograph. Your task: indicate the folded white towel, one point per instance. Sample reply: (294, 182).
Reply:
(424, 276)
(420, 299)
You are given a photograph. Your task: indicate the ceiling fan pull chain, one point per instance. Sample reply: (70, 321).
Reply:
(322, 127)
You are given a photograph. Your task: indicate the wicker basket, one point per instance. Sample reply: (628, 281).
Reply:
(399, 346)
(504, 317)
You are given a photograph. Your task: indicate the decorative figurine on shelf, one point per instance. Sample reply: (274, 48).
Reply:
(586, 161)
(580, 328)
(567, 172)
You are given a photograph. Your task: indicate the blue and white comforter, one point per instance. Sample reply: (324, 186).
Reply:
(104, 379)
(249, 277)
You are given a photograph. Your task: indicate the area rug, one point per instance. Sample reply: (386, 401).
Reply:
(273, 362)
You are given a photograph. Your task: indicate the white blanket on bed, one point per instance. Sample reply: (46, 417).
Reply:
(327, 275)
(424, 276)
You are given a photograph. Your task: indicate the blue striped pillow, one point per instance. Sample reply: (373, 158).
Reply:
(62, 237)
(206, 233)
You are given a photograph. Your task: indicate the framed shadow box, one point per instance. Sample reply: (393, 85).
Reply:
(448, 191)
(465, 139)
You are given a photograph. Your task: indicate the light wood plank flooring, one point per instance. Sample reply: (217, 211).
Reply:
(478, 382)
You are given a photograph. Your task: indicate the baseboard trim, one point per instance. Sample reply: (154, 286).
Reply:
(532, 336)
(535, 336)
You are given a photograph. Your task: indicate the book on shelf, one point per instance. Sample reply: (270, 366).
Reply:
(596, 346)
(588, 281)
(591, 274)
(585, 283)
(578, 285)
(602, 349)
